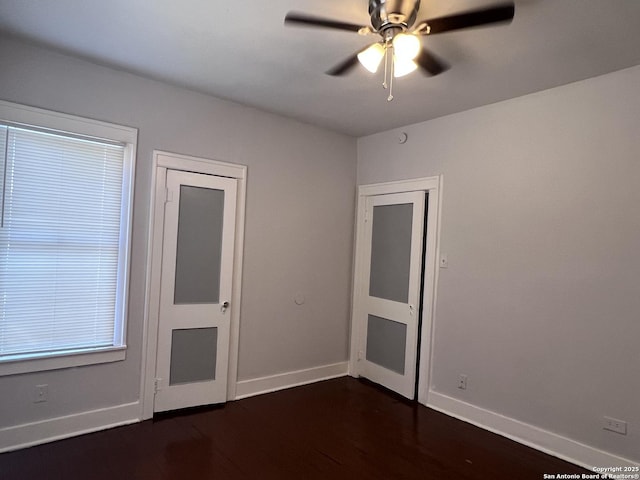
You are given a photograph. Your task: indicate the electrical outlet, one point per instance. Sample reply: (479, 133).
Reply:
(614, 425)
(41, 393)
(462, 382)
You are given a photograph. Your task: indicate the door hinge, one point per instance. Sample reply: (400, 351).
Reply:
(168, 195)
(156, 385)
(360, 355)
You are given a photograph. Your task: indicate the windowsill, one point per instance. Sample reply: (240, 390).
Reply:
(15, 366)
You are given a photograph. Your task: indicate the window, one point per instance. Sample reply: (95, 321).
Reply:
(65, 191)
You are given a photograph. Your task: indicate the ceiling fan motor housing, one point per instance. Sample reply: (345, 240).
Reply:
(393, 13)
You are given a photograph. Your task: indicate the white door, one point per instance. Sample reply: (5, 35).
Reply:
(390, 289)
(195, 290)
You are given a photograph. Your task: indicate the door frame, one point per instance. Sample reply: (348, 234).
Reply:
(433, 187)
(161, 162)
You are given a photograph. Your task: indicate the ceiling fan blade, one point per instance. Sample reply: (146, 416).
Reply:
(474, 18)
(302, 19)
(430, 63)
(344, 67)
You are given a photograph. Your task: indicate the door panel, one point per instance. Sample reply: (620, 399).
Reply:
(195, 288)
(391, 251)
(392, 244)
(386, 342)
(193, 355)
(199, 246)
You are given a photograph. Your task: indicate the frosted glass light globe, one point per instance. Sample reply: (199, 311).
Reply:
(371, 57)
(403, 66)
(406, 46)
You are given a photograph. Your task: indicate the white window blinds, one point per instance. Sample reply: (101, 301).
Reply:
(60, 227)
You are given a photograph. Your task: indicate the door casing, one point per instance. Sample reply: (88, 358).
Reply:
(433, 186)
(163, 161)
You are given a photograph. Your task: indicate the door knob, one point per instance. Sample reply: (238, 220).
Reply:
(224, 306)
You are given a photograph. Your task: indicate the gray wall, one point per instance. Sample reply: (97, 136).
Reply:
(298, 227)
(540, 304)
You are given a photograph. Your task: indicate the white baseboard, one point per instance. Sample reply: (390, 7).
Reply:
(272, 383)
(534, 437)
(36, 433)
(26, 435)
(29, 434)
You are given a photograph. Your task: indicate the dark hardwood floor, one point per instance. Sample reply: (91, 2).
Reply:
(337, 429)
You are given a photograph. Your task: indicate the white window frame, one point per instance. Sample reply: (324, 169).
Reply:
(16, 114)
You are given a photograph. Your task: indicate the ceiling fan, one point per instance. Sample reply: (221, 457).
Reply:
(400, 48)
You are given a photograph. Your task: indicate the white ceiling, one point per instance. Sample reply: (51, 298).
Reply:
(240, 50)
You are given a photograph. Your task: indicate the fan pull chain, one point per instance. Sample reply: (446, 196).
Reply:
(386, 63)
(392, 72)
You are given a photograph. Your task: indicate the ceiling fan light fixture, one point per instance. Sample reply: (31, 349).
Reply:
(400, 47)
(403, 66)
(406, 46)
(372, 57)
